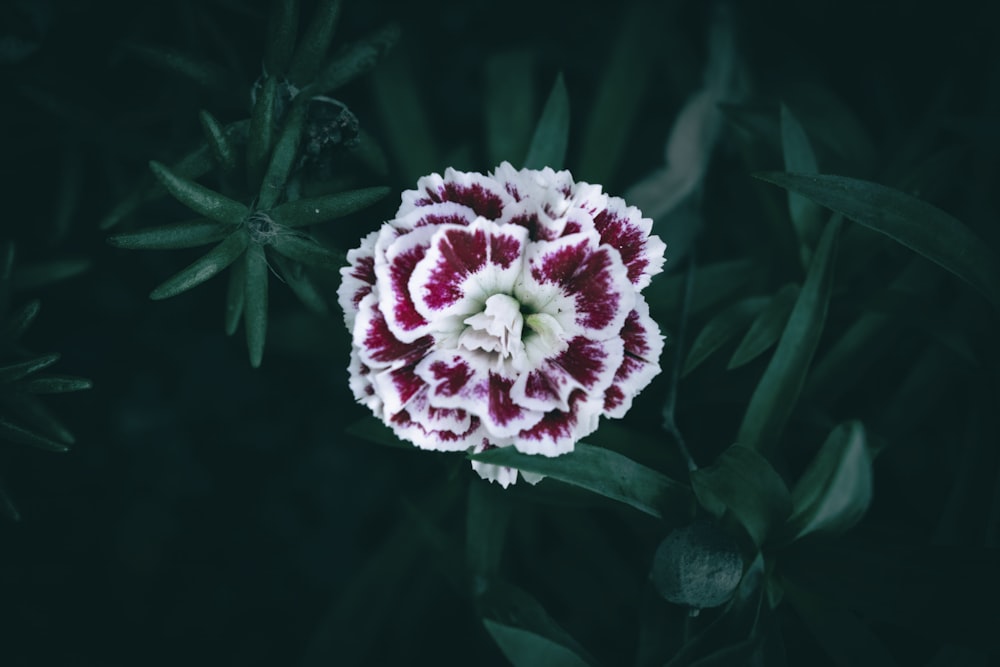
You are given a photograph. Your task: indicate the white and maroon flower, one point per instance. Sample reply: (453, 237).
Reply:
(502, 309)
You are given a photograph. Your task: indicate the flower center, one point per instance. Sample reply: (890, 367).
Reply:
(497, 328)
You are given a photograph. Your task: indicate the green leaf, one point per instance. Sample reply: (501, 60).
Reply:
(283, 158)
(255, 306)
(308, 251)
(21, 436)
(19, 322)
(188, 234)
(282, 28)
(315, 42)
(235, 292)
(915, 224)
(525, 632)
(31, 414)
(835, 490)
(618, 98)
(35, 275)
(722, 328)
(486, 518)
(317, 210)
(548, 144)
(198, 198)
(777, 392)
(355, 60)
(713, 284)
(17, 370)
(260, 138)
(55, 384)
(207, 266)
(7, 506)
(220, 143)
(742, 482)
(406, 129)
(766, 329)
(301, 284)
(206, 74)
(601, 471)
(799, 157)
(509, 105)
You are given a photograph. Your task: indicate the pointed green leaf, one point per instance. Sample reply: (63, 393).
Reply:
(835, 490)
(20, 320)
(486, 518)
(206, 74)
(255, 305)
(198, 198)
(525, 632)
(618, 98)
(39, 274)
(766, 329)
(7, 506)
(601, 471)
(283, 158)
(548, 144)
(742, 482)
(187, 234)
(235, 292)
(19, 435)
(353, 61)
(778, 390)
(55, 384)
(721, 329)
(207, 266)
(315, 42)
(194, 165)
(915, 224)
(220, 143)
(406, 129)
(32, 415)
(799, 157)
(15, 371)
(322, 209)
(295, 276)
(509, 105)
(307, 251)
(260, 138)
(282, 28)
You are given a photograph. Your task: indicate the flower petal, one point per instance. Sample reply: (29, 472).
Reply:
(480, 193)
(357, 279)
(643, 345)
(623, 228)
(465, 265)
(377, 346)
(559, 430)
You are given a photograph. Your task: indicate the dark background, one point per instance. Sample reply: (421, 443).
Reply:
(213, 514)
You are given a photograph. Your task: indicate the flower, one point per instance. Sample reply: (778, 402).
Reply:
(501, 310)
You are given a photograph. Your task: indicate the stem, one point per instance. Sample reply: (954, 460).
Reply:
(669, 419)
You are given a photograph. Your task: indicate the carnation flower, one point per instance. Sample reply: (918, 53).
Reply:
(502, 310)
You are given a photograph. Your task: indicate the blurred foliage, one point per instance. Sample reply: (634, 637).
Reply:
(828, 405)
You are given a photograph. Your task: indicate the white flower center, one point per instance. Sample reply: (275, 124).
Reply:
(496, 329)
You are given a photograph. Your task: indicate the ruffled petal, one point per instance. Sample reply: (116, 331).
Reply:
(643, 345)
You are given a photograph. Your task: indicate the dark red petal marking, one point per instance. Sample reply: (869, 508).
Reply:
(452, 378)
(593, 286)
(405, 314)
(406, 383)
(635, 336)
(583, 360)
(462, 252)
(539, 387)
(502, 409)
(504, 250)
(559, 266)
(475, 196)
(627, 237)
(555, 424)
(382, 346)
(442, 219)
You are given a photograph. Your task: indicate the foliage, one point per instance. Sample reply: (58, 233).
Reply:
(811, 479)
